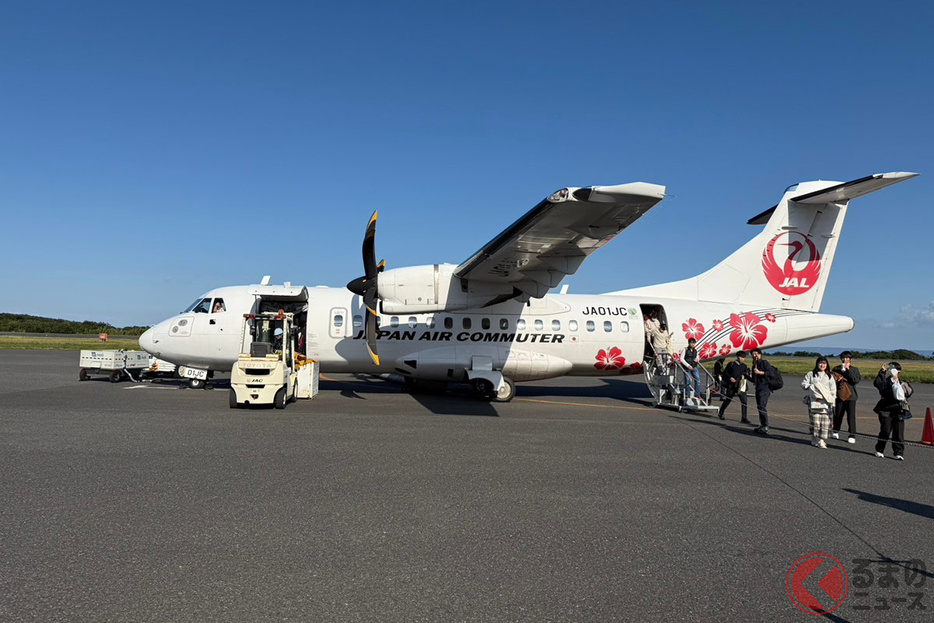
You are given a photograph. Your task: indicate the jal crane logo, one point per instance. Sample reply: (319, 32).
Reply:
(795, 272)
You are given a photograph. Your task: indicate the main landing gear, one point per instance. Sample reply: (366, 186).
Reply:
(486, 390)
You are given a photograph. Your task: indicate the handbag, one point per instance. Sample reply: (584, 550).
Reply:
(844, 392)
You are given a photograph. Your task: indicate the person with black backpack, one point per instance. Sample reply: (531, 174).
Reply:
(767, 379)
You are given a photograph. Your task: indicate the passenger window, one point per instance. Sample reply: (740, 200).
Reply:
(394, 322)
(607, 326)
(485, 323)
(504, 323)
(555, 325)
(520, 324)
(413, 321)
(430, 322)
(624, 326)
(539, 325)
(218, 306)
(448, 322)
(572, 325)
(466, 323)
(591, 326)
(357, 321)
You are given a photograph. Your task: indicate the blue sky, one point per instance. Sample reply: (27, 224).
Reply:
(152, 151)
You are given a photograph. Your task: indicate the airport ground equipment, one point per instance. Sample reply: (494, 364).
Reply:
(269, 370)
(115, 364)
(666, 379)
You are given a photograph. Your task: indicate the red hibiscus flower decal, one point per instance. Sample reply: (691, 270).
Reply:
(747, 332)
(611, 359)
(718, 325)
(770, 317)
(708, 350)
(676, 356)
(725, 350)
(692, 329)
(635, 367)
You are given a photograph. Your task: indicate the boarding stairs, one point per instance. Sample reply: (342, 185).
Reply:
(666, 378)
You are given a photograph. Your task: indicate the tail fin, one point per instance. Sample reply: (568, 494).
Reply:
(788, 263)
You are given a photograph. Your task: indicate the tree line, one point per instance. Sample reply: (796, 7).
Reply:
(22, 323)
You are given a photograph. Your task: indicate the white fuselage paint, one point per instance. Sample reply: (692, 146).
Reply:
(557, 335)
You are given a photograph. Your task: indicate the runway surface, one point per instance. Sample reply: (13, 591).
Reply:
(575, 502)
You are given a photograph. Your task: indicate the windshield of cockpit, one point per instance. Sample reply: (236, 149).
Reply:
(200, 306)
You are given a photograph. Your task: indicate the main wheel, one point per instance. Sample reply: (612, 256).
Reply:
(82, 374)
(483, 387)
(507, 393)
(233, 400)
(196, 383)
(115, 376)
(279, 401)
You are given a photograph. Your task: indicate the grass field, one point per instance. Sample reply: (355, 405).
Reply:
(31, 342)
(793, 368)
(796, 367)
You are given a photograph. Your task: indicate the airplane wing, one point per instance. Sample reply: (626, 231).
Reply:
(553, 239)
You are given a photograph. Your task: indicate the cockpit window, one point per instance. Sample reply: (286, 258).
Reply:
(791, 188)
(200, 306)
(218, 306)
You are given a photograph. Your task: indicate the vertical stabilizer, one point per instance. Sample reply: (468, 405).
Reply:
(788, 263)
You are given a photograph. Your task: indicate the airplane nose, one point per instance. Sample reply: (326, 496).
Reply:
(147, 341)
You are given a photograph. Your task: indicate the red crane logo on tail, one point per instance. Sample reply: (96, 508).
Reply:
(795, 272)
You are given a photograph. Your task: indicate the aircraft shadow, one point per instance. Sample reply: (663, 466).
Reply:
(457, 400)
(915, 508)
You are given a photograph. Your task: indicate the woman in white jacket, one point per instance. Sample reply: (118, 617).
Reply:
(823, 393)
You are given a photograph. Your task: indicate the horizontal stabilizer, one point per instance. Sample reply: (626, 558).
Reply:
(838, 193)
(854, 189)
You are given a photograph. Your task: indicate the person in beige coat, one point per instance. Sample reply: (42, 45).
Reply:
(821, 397)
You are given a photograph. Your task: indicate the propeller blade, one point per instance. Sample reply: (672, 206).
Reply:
(370, 332)
(369, 250)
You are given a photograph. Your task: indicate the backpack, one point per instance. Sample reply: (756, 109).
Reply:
(774, 379)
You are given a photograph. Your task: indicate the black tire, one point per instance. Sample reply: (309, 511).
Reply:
(279, 401)
(482, 387)
(507, 393)
(82, 374)
(116, 376)
(196, 383)
(233, 400)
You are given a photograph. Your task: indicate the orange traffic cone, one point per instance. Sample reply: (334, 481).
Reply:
(927, 437)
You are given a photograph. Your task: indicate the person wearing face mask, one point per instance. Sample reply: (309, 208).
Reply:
(847, 376)
(890, 412)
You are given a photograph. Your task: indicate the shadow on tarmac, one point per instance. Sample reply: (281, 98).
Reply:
(915, 508)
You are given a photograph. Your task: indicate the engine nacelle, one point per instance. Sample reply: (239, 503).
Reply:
(423, 289)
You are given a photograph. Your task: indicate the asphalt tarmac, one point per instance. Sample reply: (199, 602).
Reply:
(577, 501)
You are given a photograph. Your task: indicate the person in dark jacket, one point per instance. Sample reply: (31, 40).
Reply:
(845, 374)
(890, 411)
(734, 383)
(761, 372)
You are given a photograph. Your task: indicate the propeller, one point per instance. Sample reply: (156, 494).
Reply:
(366, 286)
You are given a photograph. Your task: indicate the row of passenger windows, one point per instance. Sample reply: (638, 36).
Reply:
(486, 323)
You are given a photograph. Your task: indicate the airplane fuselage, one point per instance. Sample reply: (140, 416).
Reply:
(556, 335)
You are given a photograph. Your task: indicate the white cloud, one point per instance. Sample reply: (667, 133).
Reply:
(923, 316)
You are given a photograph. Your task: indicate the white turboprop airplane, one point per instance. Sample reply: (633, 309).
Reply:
(491, 322)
